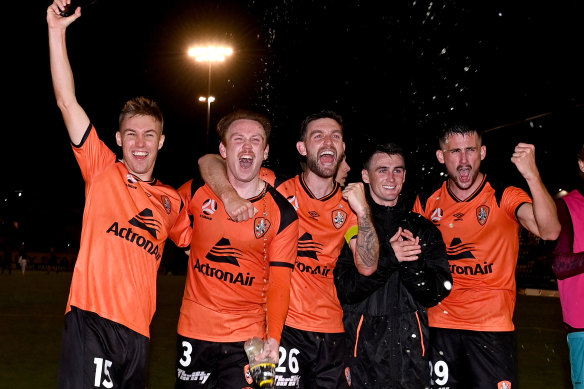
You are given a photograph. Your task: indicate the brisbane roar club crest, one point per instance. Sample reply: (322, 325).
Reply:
(261, 225)
(339, 218)
(482, 214)
(209, 207)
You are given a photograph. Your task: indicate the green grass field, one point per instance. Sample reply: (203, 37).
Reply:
(31, 320)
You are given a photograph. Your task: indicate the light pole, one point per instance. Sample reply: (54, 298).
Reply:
(209, 54)
(208, 99)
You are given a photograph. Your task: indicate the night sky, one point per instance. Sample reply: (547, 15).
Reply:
(395, 70)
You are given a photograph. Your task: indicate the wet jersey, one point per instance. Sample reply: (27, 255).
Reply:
(231, 266)
(324, 225)
(482, 240)
(125, 224)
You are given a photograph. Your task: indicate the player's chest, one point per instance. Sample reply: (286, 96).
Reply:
(211, 222)
(480, 216)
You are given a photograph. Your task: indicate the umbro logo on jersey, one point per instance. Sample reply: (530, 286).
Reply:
(261, 226)
(308, 248)
(209, 207)
(458, 250)
(437, 215)
(482, 214)
(339, 217)
(313, 214)
(223, 252)
(458, 216)
(145, 220)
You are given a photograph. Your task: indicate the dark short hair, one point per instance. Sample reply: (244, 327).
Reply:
(581, 154)
(141, 106)
(324, 114)
(241, 114)
(385, 148)
(457, 129)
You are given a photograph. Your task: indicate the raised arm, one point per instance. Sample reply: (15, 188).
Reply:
(540, 217)
(366, 246)
(214, 173)
(76, 120)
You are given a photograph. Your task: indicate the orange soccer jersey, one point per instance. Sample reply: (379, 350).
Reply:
(324, 225)
(125, 224)
(233, 267)
(482, 239)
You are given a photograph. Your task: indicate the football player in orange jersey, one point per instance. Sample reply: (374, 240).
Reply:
(127, 218)
(472, 339)
(238, 280)
(312, 347)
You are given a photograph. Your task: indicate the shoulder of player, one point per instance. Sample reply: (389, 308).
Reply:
(425, 192)
(501, 188)
(287, 212)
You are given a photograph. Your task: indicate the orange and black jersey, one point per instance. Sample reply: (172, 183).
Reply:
(324, 226)
(481, 235)
(237, 271)
(126, 222)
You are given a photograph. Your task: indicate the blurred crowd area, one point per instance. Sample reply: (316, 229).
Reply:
(533, 266)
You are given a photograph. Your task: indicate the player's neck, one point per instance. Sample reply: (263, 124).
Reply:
(145, 177)
(250, 189)
(463, 194)
(319, 186)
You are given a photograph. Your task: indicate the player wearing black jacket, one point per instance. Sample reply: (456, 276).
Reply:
(385, 315)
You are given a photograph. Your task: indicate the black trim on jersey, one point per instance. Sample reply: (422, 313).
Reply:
(261, 195)
(472, 196)
(287, 213)
(309, 192)
(517, 210)
(282, 264)
(85, 135)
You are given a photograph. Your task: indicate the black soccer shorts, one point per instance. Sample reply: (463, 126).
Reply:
(100, 353)
(311, 360)
(462, 359)
(204, 364)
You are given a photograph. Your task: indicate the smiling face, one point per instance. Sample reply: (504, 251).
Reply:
(323, 147)
(462, 155)
(140, 138)
(385, 175)
(244, 150)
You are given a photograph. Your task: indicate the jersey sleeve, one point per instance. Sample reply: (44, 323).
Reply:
(512, 199)
(278, 300)
(92, 154)
(282, 254)
(181, 231)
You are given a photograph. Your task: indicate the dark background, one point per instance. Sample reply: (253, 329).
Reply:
(395, 70)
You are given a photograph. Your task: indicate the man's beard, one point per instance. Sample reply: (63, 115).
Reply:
(313, 166)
